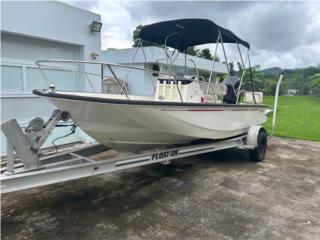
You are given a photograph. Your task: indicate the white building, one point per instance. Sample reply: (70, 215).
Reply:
(292, 92)
(33, 30)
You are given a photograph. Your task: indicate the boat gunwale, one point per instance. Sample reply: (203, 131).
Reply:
(40, 92)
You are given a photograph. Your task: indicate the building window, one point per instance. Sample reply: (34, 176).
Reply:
(178, 70)
(11, 78)
(35, 80)
(24, 79)
(63, 80)
(155, 67)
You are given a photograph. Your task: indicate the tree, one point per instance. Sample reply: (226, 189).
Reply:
(136, 39)
(315, 84)
(304, 89)
(193, 51)
(270, 86)
(255, 75)
(205, 53)
(231, 69)
(135, 36)
(216, 58)
(239, 67)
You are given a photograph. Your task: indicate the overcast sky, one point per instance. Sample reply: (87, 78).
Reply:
(283, 34)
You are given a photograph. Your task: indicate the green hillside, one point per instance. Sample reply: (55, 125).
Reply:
(300, 79)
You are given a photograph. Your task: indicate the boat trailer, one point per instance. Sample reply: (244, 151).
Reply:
(36, 169)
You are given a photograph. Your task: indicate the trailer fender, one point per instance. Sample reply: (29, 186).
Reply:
(252, 136)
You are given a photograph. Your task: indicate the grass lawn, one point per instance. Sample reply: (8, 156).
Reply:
(297, 117)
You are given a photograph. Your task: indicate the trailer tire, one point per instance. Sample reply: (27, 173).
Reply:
(258, 153)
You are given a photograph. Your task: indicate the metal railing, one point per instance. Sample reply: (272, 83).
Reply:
(48, 65)
(164, 61)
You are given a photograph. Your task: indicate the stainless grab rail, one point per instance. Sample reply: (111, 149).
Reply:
(42, 66)
(190, 60)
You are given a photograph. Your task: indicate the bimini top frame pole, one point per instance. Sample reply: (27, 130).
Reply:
(145, 58)
(168, 57)
(213, 65)
(244, 70)
(171, 62)
(224, 53)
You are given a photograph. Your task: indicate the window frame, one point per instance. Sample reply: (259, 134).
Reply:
(24, 65)
(15, 92)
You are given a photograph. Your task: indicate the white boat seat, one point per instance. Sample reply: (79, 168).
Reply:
(219, 89)
(166, 90)
(248, 97)
(216, 88)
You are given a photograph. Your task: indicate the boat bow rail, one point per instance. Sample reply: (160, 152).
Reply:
(106, 70)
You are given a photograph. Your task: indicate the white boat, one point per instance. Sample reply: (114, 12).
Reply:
(182, 109)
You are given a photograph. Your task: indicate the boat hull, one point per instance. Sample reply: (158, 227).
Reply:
(131, 126)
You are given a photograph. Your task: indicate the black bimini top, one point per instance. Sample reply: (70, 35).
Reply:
(183, 33)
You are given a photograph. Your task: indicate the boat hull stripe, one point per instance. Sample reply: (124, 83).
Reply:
(143, 102)
(207, 110)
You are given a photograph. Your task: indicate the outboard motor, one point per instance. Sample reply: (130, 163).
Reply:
(232, 83)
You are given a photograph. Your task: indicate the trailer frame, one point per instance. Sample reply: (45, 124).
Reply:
(79, 163)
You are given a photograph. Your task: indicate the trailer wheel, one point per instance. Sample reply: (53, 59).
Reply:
(257, 154)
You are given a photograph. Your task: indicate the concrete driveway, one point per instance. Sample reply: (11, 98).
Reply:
(221, 195)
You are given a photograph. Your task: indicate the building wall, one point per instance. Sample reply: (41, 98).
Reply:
(137, 82)
(53, 21)
(34, 30)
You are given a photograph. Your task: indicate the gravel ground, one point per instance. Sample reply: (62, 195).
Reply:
(221, 195)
